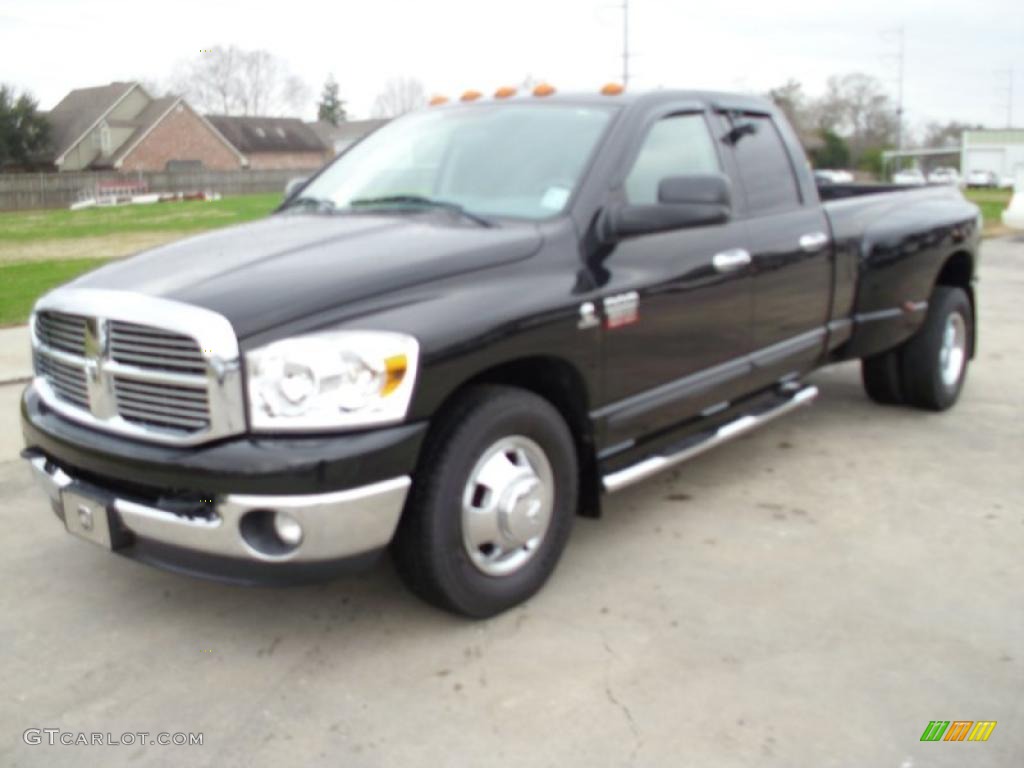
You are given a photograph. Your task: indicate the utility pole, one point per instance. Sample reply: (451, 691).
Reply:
(1009, 106)
(899, 35)
(1008, 74)
(625, 43)
(901, 58)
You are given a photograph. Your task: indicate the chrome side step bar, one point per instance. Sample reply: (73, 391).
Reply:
(651, 466)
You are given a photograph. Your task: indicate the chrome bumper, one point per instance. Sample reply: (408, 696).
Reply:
(334, 525)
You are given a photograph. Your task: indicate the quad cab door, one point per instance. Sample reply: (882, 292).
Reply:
(677, 305)
(788, 232)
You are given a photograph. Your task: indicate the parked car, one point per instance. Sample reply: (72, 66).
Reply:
(463, 331)
(983, 179)
(944, 176)
(911, 177)
(828, 176)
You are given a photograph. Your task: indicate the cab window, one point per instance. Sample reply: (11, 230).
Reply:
(678, 145)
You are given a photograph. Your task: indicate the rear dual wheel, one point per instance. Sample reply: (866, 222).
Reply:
(927, 371)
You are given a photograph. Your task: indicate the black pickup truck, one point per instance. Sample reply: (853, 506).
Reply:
(468, 326)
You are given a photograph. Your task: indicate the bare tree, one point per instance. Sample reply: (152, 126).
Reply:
(790, 98)
(400, 95)
(233, 81)
(939, 135)
(857, 107)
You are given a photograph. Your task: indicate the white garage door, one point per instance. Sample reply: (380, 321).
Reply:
(985, 160)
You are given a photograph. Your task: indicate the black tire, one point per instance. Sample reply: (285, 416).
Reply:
(882, 377)
(920, 358)
(429, 548)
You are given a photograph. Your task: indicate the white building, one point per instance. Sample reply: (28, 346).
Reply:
(1001, 152)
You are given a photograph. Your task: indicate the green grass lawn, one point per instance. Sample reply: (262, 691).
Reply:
(992, 203)
(185, 217)
(22, 282)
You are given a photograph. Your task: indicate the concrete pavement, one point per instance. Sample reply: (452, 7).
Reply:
(15, 355)
(810, 595)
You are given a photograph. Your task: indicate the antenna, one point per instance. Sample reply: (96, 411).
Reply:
(625, 43)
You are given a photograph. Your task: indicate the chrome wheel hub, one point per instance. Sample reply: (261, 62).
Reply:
(953, 352)
(507, 505)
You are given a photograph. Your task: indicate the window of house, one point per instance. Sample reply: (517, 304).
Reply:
(678, 145)
(260, 132)
(280, 132)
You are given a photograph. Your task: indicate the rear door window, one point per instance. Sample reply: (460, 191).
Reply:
(764, 168)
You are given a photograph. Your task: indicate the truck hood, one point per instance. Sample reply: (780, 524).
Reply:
(267, 273)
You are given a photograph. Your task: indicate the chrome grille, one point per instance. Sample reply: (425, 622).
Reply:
(162, 405)
(160, 350)
(175, 378)
(61, 331)
(68, 381)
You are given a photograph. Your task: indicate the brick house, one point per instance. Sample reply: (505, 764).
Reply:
(274, 142)
(120, 126)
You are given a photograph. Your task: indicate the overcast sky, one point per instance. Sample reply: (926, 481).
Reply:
(953, 56)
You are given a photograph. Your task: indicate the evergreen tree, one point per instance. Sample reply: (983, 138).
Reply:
(24, 133)
(331, 109)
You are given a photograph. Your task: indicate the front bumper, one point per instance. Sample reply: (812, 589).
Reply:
(209, 510)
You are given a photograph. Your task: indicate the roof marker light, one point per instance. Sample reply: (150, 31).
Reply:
(544, 89)
(612, 89)
(437, 101)
(505, 92)
(471, 95)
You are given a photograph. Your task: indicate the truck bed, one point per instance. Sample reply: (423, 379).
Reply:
(894, 240)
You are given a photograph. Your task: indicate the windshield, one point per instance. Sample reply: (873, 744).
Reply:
(518, 160)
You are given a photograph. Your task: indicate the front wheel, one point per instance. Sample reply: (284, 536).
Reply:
(492, 505)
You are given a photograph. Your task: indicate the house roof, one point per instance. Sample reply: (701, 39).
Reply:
(267, 134)
(347, 130)
(79, 111)
(142, 124)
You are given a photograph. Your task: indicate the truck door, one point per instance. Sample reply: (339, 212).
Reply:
(792, 253)
(677, 304)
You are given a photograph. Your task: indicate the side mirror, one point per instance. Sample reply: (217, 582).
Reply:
(683, 202)
(294, 186)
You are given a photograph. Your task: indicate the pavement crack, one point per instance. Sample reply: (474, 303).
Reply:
(619, 704)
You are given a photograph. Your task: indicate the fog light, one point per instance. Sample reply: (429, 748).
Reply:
(287, 529)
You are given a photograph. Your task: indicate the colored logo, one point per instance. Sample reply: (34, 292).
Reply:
(958, 730)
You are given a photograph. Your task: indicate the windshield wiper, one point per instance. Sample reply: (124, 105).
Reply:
(316, 203)
(419, 200)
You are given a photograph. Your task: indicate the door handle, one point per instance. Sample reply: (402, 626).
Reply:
(814, 241)
(731, 260)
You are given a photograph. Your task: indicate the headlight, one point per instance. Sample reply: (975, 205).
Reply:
(331, 380)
